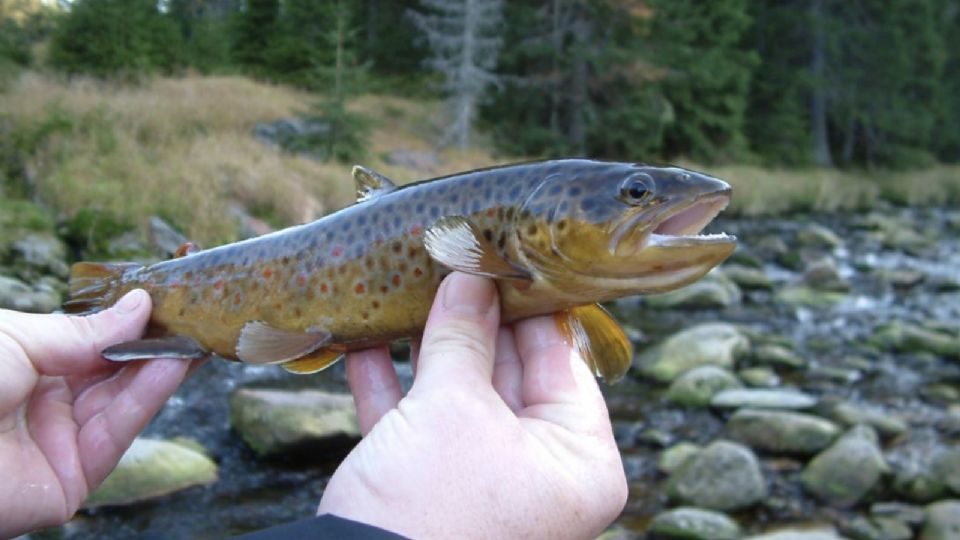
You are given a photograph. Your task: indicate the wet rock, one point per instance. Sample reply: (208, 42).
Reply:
(862, 528)
(759, 377)
(823, 274)
(818, 237)
(715, 344)
(905, 239)
(17, 295)
(674, 457)
(943, 521)
(845, 472)
(902, 512)
(153, 468)
(687, 523)
(781, 431)
(762, 399)
(724, 476)
(162, 235)
(946, 466)
(799, 534)
(36, 254)
(849, 413)
(772, 354)
(278, 422)
(799, 295)
(695, 387)
(713, 291)
(902, 336)
(748, 278)
(771, 247)
(902, 278)
(744, 258)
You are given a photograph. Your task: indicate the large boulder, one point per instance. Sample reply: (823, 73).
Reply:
(37, 254)
(153, 468)
(845, 472)
(715, 290)
(724, 476)
(687, 523)
(781, 431)
(717, 344)
(17, 295)
(287, 422)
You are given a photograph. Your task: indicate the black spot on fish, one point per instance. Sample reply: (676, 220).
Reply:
(561, 225)
(434, 212)
(477, 181)
(455, 198)
(574, 191)
(555, 189)
(515, 192)
(510, 213)
(375, 218)
(488, 194)
(397, 221)
(420, 208)
(361, 220)
(488, 234)
(588, 204)
(501, 180)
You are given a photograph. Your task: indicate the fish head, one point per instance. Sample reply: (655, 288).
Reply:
(626, 227)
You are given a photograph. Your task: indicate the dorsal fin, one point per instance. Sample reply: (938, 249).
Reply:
(370, 183)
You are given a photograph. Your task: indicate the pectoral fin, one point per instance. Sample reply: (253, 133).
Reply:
(261, 343)
(313, 362)
(181, 347)
(370, 183)
(456, 243)
(599, 339)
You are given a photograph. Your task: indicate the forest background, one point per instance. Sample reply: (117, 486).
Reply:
(809, 104)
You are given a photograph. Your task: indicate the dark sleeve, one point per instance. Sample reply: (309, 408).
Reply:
(323, 527)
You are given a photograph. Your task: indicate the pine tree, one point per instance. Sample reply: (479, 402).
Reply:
(708, 74)
(464, 43)
(255, 29)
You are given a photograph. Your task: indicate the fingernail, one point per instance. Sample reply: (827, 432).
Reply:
(468, 295)
(130, 301)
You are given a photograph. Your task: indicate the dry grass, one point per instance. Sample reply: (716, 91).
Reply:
(183, 148)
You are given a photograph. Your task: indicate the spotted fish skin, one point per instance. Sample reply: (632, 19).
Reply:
(364, 275)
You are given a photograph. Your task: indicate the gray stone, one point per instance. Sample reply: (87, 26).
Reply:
(781, 431)
(275, 422)
(762, 399)
(903, 512)
(799, 534)
(724, 476)
(818, 237)
(902, 336)
(946, 466)
(943, 521)
(772, 247)
(695, 387)
(772, 354)
(824, 275)
(845, 472)
(16, 295)
(748, 278)
(902, 278)
(716, 344)
(674, 457)
(798, 295)
(687, 523)
(153, 468)
(759, 377)
(36, 254)
(886, 422)
(712, 291)
(862, 528)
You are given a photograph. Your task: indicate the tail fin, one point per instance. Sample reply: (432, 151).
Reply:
(94, 286)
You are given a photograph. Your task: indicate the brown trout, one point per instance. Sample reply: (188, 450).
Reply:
(557, 236)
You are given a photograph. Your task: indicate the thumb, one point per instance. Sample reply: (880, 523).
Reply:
(460, 336)
(65, 344)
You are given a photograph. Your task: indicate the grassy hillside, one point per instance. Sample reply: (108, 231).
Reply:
(183, 149)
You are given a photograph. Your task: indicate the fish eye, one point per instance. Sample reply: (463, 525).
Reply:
(637, 190)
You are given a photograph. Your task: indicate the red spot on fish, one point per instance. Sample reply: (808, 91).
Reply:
(278, 306)
(236, 298)
(492, 212)
(337, 251)
(384, 289)
(218, 284)
(396, 280)
(360, 288)
(417, 271)
(301, 281)
(324, 288)
(416, 230)
(267, 273)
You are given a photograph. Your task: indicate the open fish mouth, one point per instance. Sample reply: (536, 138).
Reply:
(683, 225)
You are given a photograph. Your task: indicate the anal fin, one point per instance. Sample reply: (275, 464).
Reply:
(182, 347)
(313, 362)
(599, 340)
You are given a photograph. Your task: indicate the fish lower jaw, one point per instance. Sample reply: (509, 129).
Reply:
(669, 240)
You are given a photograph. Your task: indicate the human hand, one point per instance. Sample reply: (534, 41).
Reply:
(504, 433)
(66, 414)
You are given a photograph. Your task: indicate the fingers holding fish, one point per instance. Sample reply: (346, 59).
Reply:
(459, 339)
(374, 385)
(507, 370)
